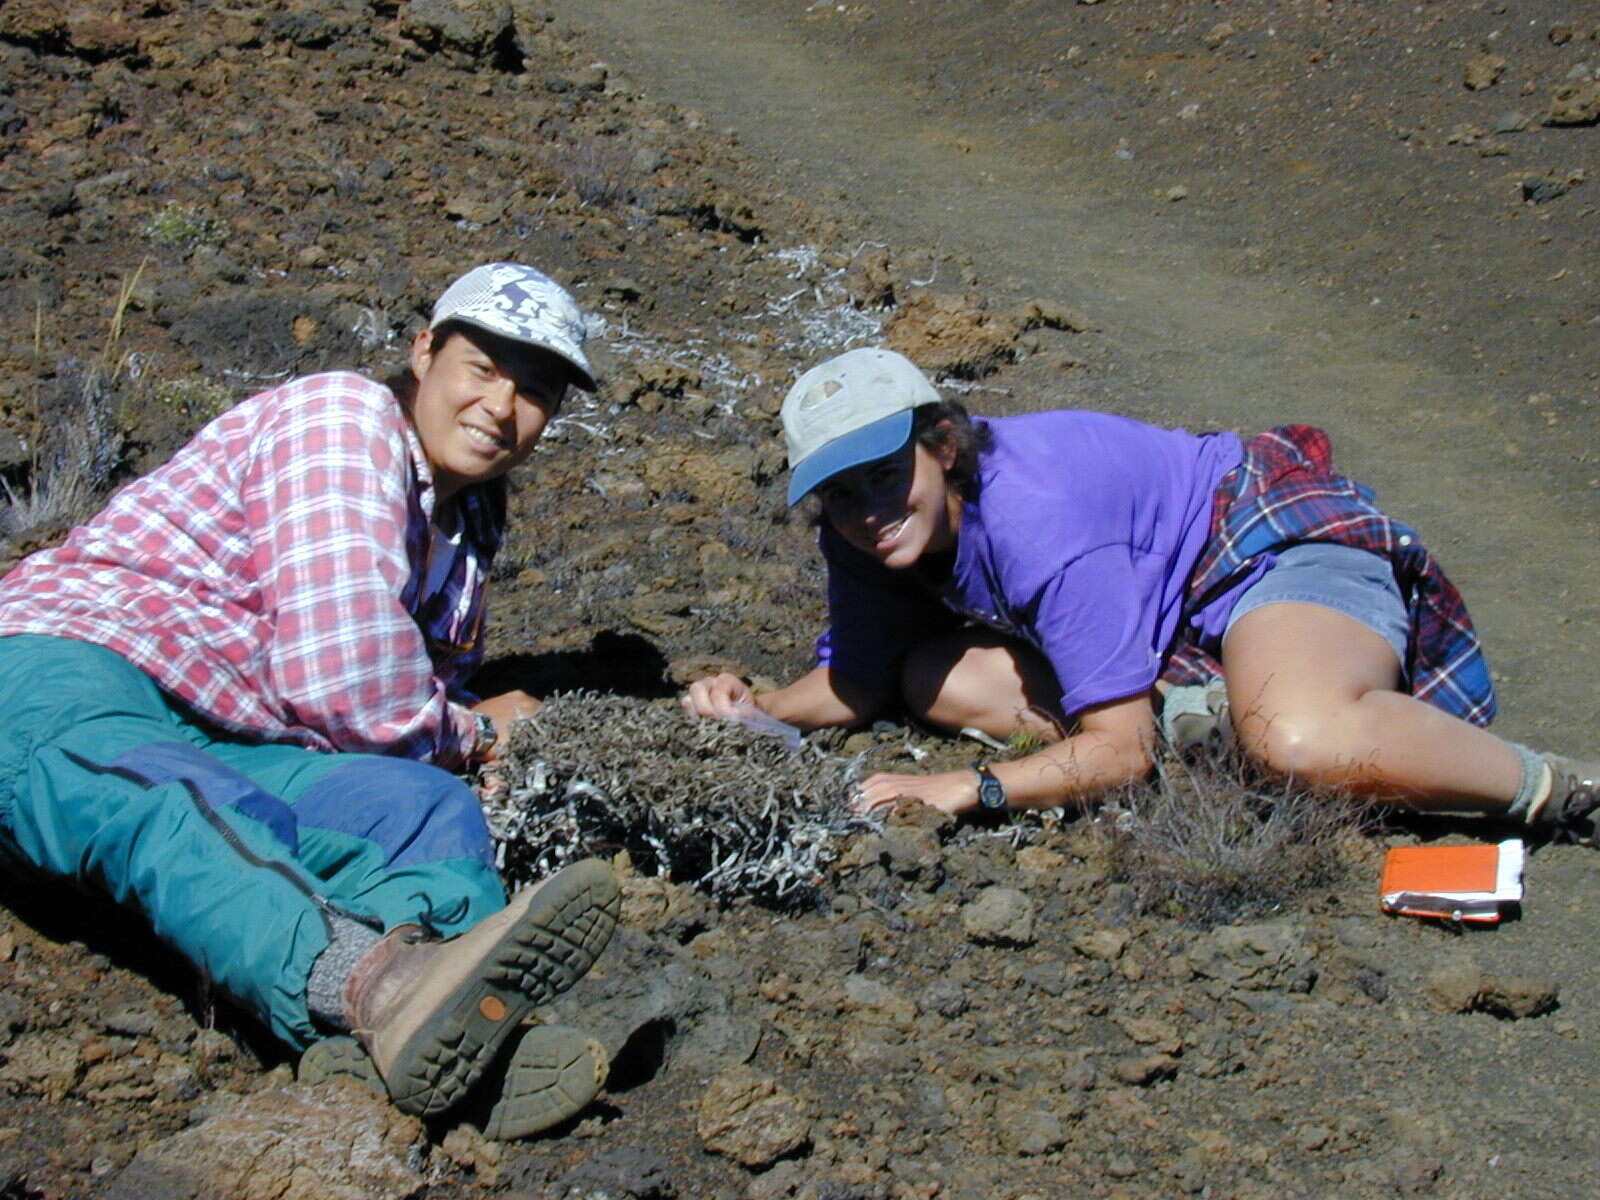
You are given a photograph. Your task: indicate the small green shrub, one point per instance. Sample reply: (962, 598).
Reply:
(1024, 742)
(193, 399)
(186, 225)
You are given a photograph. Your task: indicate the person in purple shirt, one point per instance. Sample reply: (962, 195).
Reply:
(1056, 573)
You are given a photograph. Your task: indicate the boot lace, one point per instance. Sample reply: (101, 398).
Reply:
(431, 917)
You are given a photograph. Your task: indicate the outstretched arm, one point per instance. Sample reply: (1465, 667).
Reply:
(820, 698)
(1111, 747)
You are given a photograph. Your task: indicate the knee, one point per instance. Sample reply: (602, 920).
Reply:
(926, 692)
(416, 793)
(948, 690)
(1284, 745)
(1316, 748)
(984, 682)
(412, 811)
(432, 800)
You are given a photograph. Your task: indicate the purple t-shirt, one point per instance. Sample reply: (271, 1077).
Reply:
(1081, 542)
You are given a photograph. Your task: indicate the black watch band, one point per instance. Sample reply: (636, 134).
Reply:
(991, 792)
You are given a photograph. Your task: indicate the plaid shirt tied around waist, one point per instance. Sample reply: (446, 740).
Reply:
(1284, 492)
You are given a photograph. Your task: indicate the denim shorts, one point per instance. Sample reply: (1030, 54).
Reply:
(1354, 582)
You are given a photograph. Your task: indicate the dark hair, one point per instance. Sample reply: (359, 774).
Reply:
(542, 362)
(969, 438)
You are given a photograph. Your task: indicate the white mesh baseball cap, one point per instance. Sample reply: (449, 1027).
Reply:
(851, 409)
(522, 304)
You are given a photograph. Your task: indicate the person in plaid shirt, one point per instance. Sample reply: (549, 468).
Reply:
(236, 696)
(1053, 573)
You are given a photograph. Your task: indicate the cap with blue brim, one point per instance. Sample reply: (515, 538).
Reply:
(867, 444)
(851, 409)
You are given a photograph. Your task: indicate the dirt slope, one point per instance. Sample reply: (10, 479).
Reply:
(1342, 252)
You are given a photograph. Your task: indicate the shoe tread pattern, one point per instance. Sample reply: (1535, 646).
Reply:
(554, 1073)
(545, 952)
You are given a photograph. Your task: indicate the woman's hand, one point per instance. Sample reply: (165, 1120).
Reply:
(817, 700)
(720, 696)
(949, 791)
(502, 710)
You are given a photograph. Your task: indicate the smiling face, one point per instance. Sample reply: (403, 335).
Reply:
(479, 414)
(896, 508)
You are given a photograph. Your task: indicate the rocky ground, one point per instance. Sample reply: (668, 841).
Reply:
(198, 200)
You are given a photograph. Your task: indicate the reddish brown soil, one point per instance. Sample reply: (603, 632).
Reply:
(1236, 214)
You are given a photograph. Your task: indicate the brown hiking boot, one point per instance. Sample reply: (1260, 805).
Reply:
(339, 1058)
(552, 1074)
(434, 1013)
(1569, 813)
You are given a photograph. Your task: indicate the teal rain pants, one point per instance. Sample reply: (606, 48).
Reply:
(236, 852)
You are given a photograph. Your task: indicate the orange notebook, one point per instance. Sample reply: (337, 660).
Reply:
(1456, 883)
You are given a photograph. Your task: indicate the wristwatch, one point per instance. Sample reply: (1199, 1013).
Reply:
(991, 792)
(488, 735)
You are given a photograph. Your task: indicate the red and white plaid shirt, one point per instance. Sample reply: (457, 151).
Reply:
(275, 576)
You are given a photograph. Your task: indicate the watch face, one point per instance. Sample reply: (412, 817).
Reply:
(990, 792)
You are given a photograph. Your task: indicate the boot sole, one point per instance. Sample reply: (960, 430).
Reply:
(564, 924)
(339, 1058)
(554, 1072)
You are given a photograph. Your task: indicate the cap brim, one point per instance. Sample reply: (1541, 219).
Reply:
(583, 375)
(867, 444)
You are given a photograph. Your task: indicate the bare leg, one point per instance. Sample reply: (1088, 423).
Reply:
(979, 679)
(1313, 694)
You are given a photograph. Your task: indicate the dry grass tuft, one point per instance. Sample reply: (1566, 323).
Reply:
(75, 459)
(707, 803)
(600, 171)
(1213, 841)
(77, 440)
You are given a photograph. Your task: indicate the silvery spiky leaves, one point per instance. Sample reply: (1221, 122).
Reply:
(709, 803)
